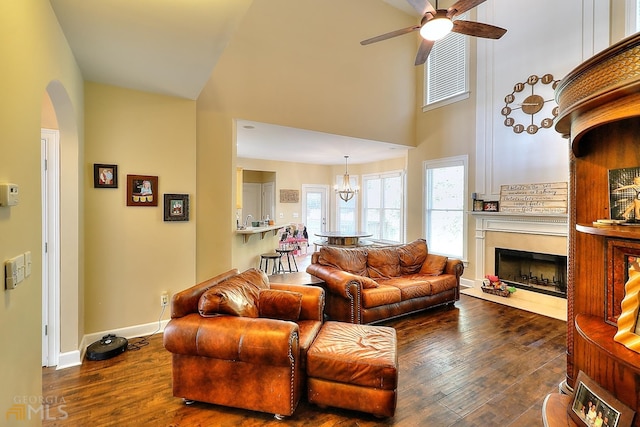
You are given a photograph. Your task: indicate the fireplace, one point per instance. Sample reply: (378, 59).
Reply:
(533, 271)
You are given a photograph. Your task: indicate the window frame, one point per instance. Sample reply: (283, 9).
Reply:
(463, 161)
(403, 204)
(354, 181)
(429, 72)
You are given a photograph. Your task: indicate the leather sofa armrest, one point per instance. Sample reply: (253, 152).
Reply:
(186, 301)
(247, 339)
(312, 299)
(455, 267)
(338, 282)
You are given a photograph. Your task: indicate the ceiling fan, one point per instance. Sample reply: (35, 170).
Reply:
(437, 23)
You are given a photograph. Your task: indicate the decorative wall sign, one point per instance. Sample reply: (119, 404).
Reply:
(105, 176)
(289, 196)
(142, 190)
(176, 207)
(546, 198)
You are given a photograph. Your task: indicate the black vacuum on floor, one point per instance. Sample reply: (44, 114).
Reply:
(108, 347)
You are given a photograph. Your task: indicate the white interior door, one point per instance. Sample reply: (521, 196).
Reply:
(50, 178)
(315, 210)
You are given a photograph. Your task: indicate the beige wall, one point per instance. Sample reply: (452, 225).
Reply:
(132, 254)
(269, 76)
(34, 53)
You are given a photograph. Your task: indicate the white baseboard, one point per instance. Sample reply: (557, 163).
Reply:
(75, 358)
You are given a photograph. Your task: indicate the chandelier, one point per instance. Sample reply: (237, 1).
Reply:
(346, 193)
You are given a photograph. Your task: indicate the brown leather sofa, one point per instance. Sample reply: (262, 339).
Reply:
(366, 285)
(238, 340)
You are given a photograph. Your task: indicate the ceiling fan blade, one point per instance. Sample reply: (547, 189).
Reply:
(461, 6)
(390, 35)
(421, 6)
(423, 51)
(477, 29)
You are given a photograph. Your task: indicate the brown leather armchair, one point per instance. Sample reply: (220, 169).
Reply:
(255, 363)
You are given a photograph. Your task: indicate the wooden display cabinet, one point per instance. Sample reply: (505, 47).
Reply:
(599, 111)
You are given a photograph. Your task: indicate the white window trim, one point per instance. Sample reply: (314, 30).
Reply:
(444, 162)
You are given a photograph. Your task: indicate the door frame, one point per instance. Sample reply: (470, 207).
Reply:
(50, 193)
(307, 188)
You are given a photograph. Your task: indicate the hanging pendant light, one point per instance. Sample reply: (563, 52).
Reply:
(346, 193)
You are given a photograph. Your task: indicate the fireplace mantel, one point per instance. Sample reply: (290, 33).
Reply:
(546, 224)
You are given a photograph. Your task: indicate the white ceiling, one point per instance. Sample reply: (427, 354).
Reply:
(171, 47)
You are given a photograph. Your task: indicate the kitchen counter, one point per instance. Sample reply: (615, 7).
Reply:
(247, 232)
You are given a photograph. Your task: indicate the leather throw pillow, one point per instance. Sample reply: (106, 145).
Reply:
(277, 304)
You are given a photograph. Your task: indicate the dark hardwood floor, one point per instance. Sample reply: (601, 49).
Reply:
(478, 364)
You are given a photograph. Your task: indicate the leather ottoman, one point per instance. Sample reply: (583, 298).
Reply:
(354, 366)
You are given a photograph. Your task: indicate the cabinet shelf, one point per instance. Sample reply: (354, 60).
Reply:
(600, 334)
(619, 231)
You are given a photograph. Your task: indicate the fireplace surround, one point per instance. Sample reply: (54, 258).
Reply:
(542, 233)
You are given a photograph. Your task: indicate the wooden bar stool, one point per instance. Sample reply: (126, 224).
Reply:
(289, 255)
(272, 256)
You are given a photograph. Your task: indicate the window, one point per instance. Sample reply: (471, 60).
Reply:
(445, 221)
(446, 71)
(346, 218)
(383, 206)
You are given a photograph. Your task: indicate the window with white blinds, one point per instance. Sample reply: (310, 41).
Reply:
(446, 71)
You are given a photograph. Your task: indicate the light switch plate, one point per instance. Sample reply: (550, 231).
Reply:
(14, 270)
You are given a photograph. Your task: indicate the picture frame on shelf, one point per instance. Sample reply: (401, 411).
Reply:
(478, 205)
(622, 258)
(142, 190)
(490, 206)
(105, 175)
(588, 394)
(624, 192)
(176, 207)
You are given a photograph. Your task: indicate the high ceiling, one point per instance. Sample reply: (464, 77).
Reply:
(171, 47)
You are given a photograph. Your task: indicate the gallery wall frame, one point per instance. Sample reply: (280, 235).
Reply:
(105, 175)
(142, 190)
(176, 207)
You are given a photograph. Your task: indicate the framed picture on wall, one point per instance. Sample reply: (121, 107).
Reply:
(176, 207)
(142, 190)
(105, 176)
(289, 196)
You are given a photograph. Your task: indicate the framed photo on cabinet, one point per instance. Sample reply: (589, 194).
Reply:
(593, 405)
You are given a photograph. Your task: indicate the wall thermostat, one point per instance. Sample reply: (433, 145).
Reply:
(8, 194)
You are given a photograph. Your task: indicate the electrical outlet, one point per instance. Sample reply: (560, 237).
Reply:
(164, 299)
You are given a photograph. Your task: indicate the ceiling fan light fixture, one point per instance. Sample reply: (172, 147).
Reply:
(436, 28)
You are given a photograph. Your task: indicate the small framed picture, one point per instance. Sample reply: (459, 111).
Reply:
(478, 205)
(176, 207)
(105, 176)
(490, 206)
(142, 190)
(593, 405)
